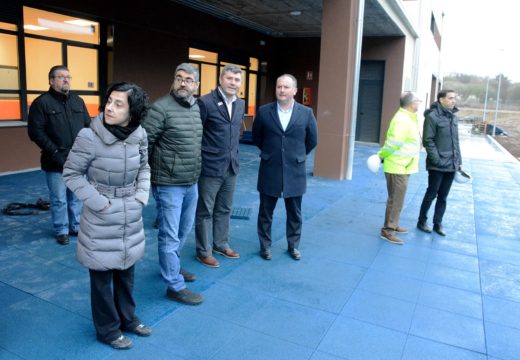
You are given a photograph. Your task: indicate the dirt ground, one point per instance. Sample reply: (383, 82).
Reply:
(509, 121)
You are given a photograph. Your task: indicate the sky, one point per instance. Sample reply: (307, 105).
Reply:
(481, 37)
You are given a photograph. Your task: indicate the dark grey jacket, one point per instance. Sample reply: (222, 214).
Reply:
(102, 169)
(441, 139)
(221, 134)
(283, 153)
(174, 133)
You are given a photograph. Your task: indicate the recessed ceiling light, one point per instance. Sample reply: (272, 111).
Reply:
(295, 13)
(196, 56)
(80, 22)
(34, 27)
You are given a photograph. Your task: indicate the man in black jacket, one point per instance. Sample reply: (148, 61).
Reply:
(441, 141)
(55, 119)
(222, 113)
(285, 132)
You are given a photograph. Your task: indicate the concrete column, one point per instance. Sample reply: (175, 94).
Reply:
(336, 86)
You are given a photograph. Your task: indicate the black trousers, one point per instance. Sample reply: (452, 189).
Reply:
(439, 185)
(293, 209)
(113, 307)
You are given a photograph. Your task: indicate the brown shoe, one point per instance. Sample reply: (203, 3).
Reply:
(392, 238)
(209, 261)
(401, 230)
(229, 253)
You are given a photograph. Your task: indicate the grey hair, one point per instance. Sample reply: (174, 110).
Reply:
(407, 98)
(188, 68)
(231, 68)
(295, 82)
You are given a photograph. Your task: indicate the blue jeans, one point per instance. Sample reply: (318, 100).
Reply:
(176, 212)
(65, 206)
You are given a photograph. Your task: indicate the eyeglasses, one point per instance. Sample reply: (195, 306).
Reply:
(61, 77)
(181, 80)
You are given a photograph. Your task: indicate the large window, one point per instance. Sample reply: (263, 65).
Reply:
(55, 39)
(9, 74)
(209, 65)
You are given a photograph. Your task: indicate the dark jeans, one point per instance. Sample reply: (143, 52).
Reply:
(112, 310)
(293, 208)
(439, 185)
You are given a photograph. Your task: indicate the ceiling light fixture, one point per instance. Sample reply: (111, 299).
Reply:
(295, 13)
(34, 27)
(80, 22)
(196, 56)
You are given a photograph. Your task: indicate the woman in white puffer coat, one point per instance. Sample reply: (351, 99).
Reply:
(108, 170)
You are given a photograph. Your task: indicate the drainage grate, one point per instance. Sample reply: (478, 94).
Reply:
(241, 213)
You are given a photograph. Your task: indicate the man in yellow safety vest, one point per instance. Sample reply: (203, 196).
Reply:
(400, 157)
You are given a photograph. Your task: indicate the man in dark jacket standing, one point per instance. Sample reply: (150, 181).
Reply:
(174, 137)
(285, 132)
(55, 119)
(441, 141)
(222, 113)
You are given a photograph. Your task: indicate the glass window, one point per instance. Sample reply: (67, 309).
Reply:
(6, 26)
(60, 26)
(83, 67)
(40, 56)
(208, 78)
(9, 75)
(10, 107)
(202, 55)
(92, 103)
(251, 106)
(253, 64)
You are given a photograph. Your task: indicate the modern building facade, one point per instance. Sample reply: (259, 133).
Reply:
(352, 59)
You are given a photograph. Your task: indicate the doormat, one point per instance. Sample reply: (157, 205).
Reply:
(241, 213)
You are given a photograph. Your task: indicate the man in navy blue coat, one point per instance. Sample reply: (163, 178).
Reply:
(285, 132)
(222, 112)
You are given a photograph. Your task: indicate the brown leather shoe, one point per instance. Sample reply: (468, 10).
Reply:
(209, 261)
(229, 253)
(392, 239)
(401, 230)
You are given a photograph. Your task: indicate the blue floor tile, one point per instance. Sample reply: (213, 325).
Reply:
(502, 341)
(320, 355)
(380, 310)
(449, 328)
(354, 339)
(417, 348)
(502, 312)
(399, 265)
(500, 287)
(396, 286)
(500, 269)
(450, 299)
(455, 261)
(460, 279)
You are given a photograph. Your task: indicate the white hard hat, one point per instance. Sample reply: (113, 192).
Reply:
(462, 177)
(373, 163)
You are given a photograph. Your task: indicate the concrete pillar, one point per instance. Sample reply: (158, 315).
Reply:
(336, 87)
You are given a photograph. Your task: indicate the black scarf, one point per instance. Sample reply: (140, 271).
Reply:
(121, 132)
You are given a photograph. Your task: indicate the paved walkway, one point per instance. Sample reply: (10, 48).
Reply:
(352, 296)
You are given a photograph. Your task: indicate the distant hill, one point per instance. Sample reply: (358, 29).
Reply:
(472, 91)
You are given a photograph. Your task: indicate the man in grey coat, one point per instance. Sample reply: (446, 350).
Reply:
(285, 132)
(174, 138)
(441, 141)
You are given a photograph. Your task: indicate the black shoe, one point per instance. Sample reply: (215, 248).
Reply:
(439, 230)
(188, 277)
(184, 296)
(62, 239)
(423, 227)
(266, 254)
(121, 343)
(73, 233)
(142, 330)
(295, 254)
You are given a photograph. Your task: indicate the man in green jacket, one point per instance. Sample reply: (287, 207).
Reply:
(400, 155)
(174, 132)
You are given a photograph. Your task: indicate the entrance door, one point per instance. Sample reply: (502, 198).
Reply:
(370, 101)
